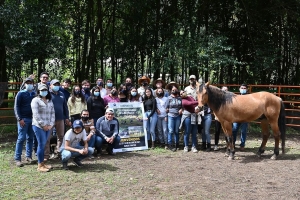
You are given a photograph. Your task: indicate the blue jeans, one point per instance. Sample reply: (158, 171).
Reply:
(206, 122)
(41, 137)
(244, 129)
(92, 141)
(190, 129)
(162, 128)
(24, 133)
(150, 125)
(100, 140)
(173, 125)
(66, 154)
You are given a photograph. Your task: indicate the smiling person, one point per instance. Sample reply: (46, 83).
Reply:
(42, 122)
(76, 103)
(71, 145)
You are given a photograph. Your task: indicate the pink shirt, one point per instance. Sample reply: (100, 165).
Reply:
(109, 99)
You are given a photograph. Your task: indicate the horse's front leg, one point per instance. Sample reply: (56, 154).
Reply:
(227, 128)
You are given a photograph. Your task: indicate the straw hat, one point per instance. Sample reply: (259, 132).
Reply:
(171, 84)
(144, 78)
(162, 81)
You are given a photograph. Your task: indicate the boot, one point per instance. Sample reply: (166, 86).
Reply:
(153, 145)
(42, 168)
(208, 147)
(203, 146)
(46, 166)
(177, 146)
(171, 148)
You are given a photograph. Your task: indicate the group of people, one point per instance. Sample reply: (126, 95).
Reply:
(82, 120)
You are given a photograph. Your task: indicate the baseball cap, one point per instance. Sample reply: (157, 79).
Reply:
(42, 87)
(77, 124)
(54, 81)
(28, 79)
(109, 110)
(192, 76)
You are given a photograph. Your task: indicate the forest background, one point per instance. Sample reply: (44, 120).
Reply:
(226, 41)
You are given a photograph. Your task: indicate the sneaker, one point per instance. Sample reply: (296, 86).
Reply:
(216, 148)
(29, 160)
(91, 157)
(19, 163)
(242, 148)
(77, 162)
(46, 166)
(109, 151)
(166, 147)
(186, 149)
(65, 166)
(194, 150)
(42, 168)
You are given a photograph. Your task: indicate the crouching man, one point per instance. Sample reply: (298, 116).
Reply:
(108, 129)
(71, 145)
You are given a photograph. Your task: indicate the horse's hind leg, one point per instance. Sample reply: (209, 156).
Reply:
(266, 134)
(276, 132)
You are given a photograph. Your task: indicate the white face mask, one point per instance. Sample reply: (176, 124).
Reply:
(29, 87)
(243, 91)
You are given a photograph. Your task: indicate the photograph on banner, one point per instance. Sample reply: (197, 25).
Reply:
(131, 130)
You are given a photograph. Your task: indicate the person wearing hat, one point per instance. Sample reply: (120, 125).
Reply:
(71, 145)
(43, 119)
(144, 82)
(108, 132)
(23, 114)
(160, 84)
(191, 89)
(61, 115)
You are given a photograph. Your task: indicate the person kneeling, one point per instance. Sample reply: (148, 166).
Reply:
(71, 145)
(108, 129)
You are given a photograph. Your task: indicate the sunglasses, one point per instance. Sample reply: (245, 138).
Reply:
(45, 77)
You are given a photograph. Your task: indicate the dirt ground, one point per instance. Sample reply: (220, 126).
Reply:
(162, 174)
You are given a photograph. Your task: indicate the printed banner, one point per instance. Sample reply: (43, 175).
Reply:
(131, 130)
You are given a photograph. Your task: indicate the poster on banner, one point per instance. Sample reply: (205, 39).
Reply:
(131, 130)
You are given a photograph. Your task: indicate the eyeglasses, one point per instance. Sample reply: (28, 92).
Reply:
(45, 77)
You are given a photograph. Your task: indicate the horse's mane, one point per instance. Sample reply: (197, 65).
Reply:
(217, 97)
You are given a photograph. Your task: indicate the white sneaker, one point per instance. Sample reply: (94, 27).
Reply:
(216, 148)
(186, 149)
(194, 150)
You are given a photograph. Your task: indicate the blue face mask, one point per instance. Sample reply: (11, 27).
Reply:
(55, 88)
(29, 87)
(100, 83)
(96, 94)
(43, 93)
(243, 91)
(133, 94)
(109, 84)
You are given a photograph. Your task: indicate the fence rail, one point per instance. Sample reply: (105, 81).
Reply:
(289, 94)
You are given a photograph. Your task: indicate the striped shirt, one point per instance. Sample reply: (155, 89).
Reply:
(42, 113)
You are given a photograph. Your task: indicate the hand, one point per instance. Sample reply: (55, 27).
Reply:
(158, 111)
(49, 127)
(81, 151)
(180, 111)
(22, 123)
(67, 122)
(166, 119)
(146, 118)
(45, 128)
(85, 151)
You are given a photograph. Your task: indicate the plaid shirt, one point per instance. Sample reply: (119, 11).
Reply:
(42, 113)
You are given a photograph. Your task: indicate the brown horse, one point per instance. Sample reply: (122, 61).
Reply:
(229, 107)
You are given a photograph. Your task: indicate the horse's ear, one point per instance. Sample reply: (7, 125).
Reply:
(207, 84)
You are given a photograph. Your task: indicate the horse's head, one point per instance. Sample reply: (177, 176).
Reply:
(202, 94)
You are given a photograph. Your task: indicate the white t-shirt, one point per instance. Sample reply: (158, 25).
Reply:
(161, 106)
(73, 138)
(190, 91)
(103, 92)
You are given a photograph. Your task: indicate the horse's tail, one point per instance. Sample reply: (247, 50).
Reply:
(282, 126)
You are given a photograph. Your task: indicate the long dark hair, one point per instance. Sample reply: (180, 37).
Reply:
(151, 96)
(136, 97)
(73, 96)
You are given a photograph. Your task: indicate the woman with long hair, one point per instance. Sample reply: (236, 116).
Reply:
(95, 104)
(76, 103)
(134, 96)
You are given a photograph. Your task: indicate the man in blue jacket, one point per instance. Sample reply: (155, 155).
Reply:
(61, 115)
(23, 114)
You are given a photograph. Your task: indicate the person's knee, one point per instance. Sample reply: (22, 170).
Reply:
(90, 150)
(66, 155)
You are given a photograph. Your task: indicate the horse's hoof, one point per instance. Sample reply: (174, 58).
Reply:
(230, 158)
(258, 154)
(226, 154)
(274, 157)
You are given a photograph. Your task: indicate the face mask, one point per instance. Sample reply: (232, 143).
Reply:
(55, 88)
(43, 93)
(243, 91)
(76, 92)
(128, 84)
(109, 84)
(160, 94)
(86, 90)
(96, 94)
(29, 87)
(193, 83)
(114, 93)
(174, 92)
(85, 118)
(133, 94)
(100, 83)
(145, 84)
(123, 91)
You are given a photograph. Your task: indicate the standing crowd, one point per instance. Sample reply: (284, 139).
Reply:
(81, 121)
